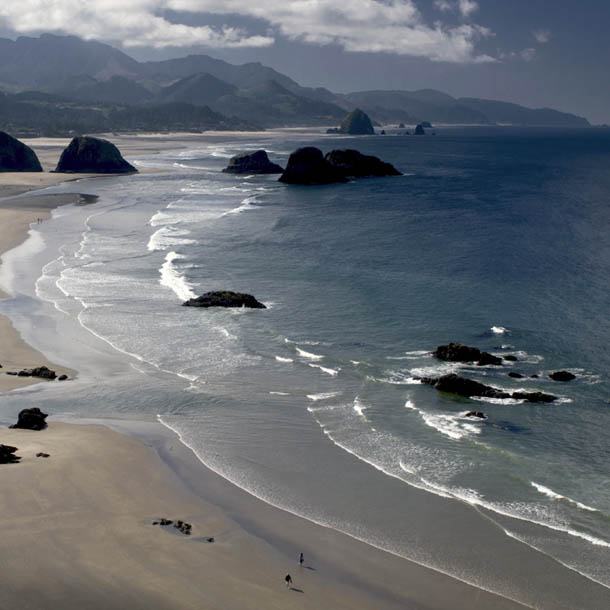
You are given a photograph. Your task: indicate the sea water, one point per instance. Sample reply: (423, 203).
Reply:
(494, 237)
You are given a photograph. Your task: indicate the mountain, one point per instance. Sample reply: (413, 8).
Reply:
(197, 89)
(117, 90)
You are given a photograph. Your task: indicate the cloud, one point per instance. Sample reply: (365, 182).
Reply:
(528, 54)
(388, 26)
(443, 5)
(541, 35)
(464, 7)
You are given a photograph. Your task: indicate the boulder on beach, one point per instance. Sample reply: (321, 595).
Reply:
(90, 155)
(225, 298)
(457, 352)
(31, 419)
(352, 163)
(357, 123)
(562, 376)
(15, 156)
(7, 455)
(308, 166)
(39, 371)
(252, 163)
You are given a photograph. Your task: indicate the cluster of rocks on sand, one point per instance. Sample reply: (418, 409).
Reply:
(40, 371)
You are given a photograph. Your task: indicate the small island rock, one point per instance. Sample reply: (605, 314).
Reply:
(457, 352)
(354, 164)
(252, 163)
(308, 166)
(419, 130)
(357, 123)
(15, 156)
(562, 376)
(225, 298)
(31, 419)
(93, 156)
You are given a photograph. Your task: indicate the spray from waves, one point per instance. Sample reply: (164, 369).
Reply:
(555, 496)
(168, 237)
(309, 355)
(246, 204)
(323, 396)
(172, 279)
(328, 371)
(360, 408)
(449, 424)
(280, 359)
(499, 330)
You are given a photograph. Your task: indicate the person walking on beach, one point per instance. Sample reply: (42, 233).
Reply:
(288, 580)
(301, 560)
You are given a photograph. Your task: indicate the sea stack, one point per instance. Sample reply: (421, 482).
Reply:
(90, 155)
(15, 156)
(252, 163)
(419, 130)
(308, 166)
(357, 123)
(225, 298)
(352, 163)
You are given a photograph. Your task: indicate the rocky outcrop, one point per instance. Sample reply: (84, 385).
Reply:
(225, 299)
(510, 358)
(475, 414)
(515, 375)
(7, 455)
(352, 163)
(562, 376)
(308, 166)
(252, 163)
(462, 386)
(40, 371)
(419, 130)
(357, 123)
(15, 156)
(457, 352)
(93, 156)
(31, 419)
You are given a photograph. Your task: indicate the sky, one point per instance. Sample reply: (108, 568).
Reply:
(553, 53)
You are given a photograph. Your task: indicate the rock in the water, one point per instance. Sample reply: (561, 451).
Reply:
(457, 352)
(7, 455)
(39, 371)
(252, 163)
(510, 358)
(533, 396)
(515, 375)
(562, 376)
(354, 164)
(464, 387)
(308, 166)
(31, 419)
(476, 414)
(15, 156)
(419, 130)
(93, 156)
(357, 123)
(225, 298)
(62, 378)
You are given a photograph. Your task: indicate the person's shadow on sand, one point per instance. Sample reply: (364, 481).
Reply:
(296, 590)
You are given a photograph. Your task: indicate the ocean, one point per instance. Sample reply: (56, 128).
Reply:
(495, 237)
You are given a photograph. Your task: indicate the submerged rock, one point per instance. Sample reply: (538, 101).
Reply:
(308, 166)
(7, 455)
(15, 156)
(93, 156)
(357, 123)
(515, 375)
(352, 163)
(510, 358)
(533, 396)
(31, 419)
(562, 376)
(457, 352)
(225, 299)
(252, 163)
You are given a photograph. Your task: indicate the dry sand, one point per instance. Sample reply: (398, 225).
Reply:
(77, 533)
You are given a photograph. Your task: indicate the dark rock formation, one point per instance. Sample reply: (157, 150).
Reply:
(308, 166)
(515, 375)
(15, 156)
(357, 123)
(42, 454)
(180, 525)
(419, 130)
(510, 358)
(252, 163)
(467, 387)
(93, 156)
(225, 299)
(62, 378)
(40, 371)
(476, 414)
(31, 419)
(352, 163)
(562, 376)
(426, 124)
(457, 352)
(333, 130)
(7, 455)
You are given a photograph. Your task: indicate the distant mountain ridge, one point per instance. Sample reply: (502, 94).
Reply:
(96, 73)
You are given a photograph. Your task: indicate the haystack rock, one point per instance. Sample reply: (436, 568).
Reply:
(308, 166)
(90, 155)
(252, 163)
(357, 123)
(354, 164)
(419, 130)
(31, 419)
(15, 156)
(225, 298)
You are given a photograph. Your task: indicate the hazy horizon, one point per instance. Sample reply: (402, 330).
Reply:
(522, 53)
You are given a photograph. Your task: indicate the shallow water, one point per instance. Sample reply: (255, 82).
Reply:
(494, 237)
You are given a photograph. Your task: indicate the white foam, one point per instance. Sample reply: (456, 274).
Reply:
(323, 396)
(168, 237)
(498, 330)
(246, 204)
(555, 496)
(309, 355)
(360, 408)
(280, 393)
(172, 279)
(333, 372)
(410, 405)
(449, 425)
(280, 359)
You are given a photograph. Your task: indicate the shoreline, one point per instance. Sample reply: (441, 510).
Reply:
(100, 528)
